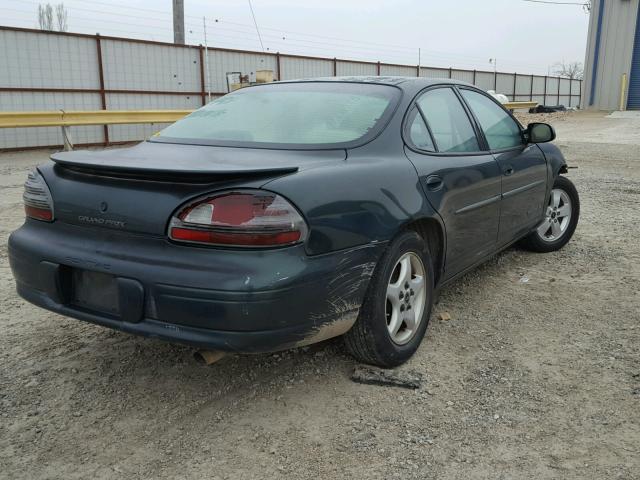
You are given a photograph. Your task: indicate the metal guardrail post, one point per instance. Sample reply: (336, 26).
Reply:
(103, 96)
(66, 138)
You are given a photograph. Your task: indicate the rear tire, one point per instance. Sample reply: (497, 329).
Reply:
(561, 218)
(397, 306)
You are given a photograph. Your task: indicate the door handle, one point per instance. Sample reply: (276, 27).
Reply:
(508, 170)
(433, 182)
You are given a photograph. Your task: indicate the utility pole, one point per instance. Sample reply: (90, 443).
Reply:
(178, 22)
(206, 58)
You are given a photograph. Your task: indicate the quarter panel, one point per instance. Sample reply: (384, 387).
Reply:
(367, 198)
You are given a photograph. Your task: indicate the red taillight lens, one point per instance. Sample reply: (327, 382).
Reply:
(246, 218)
(37, 198)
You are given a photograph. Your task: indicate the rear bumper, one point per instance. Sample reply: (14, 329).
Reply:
(243, 301)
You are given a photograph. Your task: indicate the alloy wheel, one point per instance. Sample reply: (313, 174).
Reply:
(557, 216)
(406, 298)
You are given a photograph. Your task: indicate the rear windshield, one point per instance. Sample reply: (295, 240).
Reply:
(291, 114)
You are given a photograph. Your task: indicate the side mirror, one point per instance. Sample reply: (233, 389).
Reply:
(540, 133)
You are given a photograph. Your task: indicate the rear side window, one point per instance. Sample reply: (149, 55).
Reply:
(500, 130)
(449, 123)
(419, 133)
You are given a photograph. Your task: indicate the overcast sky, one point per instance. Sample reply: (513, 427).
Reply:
(523, 36)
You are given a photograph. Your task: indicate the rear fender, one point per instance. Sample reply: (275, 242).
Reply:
(366, 199)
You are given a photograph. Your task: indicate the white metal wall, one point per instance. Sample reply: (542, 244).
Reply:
(140, 66)
(46, 60)
(485, 80)
(433, 72)
(293, 67)
(352, 68)
(397, 70)
(462, 75)
(148, 75)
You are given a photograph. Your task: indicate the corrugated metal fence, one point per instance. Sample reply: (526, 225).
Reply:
(51, 70)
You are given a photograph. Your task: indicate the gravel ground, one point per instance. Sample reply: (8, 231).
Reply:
(536, 375)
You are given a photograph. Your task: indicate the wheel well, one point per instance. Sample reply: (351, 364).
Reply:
(431, 231)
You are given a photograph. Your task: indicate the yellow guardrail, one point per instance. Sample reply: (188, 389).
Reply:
(518, 105)
(63, 118)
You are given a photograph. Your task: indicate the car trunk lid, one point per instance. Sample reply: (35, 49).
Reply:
(137, 189)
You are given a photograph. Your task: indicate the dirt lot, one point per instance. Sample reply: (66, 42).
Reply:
(537, 374)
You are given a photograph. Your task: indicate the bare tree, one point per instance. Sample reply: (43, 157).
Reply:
(61, 17)
(572, 70)
(46, 13)
(45, 17)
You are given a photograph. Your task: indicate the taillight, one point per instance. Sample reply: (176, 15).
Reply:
(37, 199)
(243, 218)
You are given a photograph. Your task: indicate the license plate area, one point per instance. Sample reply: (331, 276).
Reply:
(95, 291)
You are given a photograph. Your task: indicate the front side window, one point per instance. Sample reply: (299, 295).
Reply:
(303, 114)
(500, 130)
(449, 123)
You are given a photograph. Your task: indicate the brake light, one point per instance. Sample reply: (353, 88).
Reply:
(38, 203)
(243, 218)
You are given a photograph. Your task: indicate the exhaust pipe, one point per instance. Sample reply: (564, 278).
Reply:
(208, 357)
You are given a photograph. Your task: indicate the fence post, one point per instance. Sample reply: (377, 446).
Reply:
(203, 91)
(450, 73)
(559, 81)
(531, 92)
(544, 99)
(103, 96)
(474, 76)
(570, 82)
(515, 80)
(580, 93)
(417, 70)
(278, 66)
(335, 67)
(495, 81)
(378, 68)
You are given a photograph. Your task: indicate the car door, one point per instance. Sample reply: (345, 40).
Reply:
(460, 180)
(523, 166)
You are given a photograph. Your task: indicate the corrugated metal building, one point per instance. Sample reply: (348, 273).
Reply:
(613, 52)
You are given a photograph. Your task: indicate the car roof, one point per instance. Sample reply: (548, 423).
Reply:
(405, 83)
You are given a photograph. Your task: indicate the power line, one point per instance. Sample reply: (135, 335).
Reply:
(279, 42)
(407, 52)
(549, 2)
(253, 15)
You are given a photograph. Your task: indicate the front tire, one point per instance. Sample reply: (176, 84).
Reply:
(397, 307)
(560, 221)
